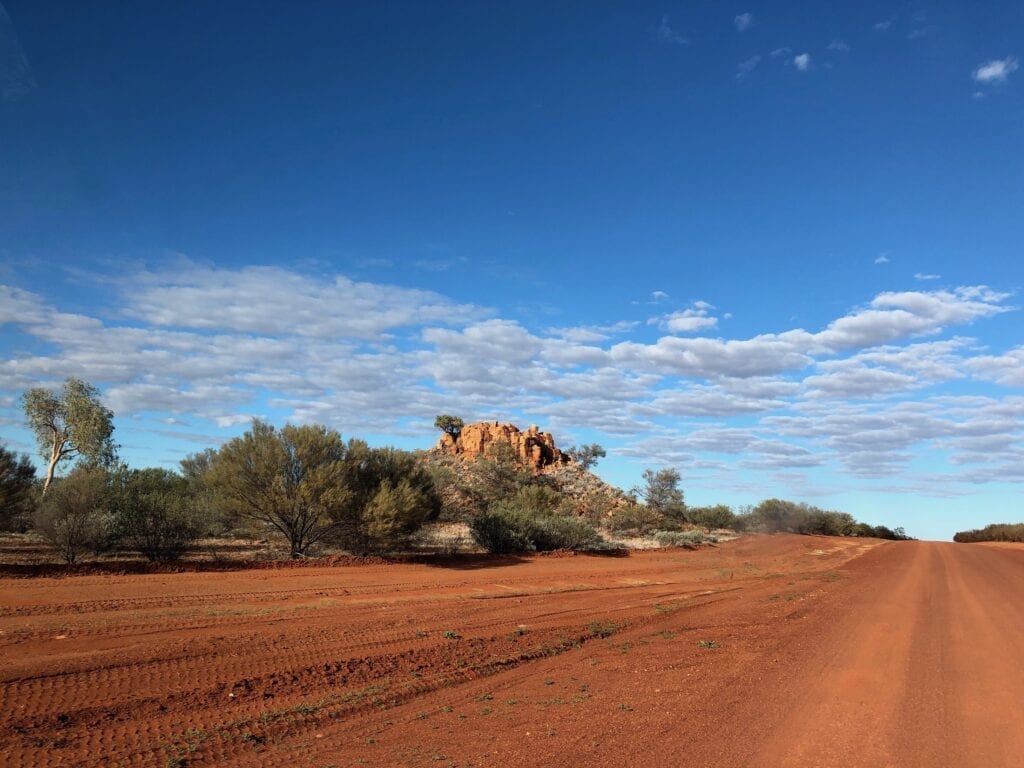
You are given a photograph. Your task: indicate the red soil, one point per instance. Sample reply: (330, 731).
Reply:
(768, 651)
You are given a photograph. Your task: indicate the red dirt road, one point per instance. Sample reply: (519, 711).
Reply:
(768, 651)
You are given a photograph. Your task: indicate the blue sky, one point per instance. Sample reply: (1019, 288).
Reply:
(774, 245)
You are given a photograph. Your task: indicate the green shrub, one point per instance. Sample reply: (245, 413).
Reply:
(636, 519)
(682, 538)
(558, 532)
(156, 514)
(18, 491)
(718, 516)
(393, 515)
(500, 533)
(75, 516)
(529, 522)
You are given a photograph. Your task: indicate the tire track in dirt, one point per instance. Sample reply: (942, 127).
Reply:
(140, 688)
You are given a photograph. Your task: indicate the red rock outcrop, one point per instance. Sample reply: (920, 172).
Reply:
(533, 448)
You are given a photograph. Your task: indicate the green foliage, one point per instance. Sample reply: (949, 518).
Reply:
(560, 532)
(993, 532)
(450, 425)
(586, 456)
(390, 495)
(636, 519)
(529, 522)
(76, 516)
(778, 515)
(393, 515)
(196, 469)
(499, 533)
(17, 490)
(718, 516)
(70, 425)
(689, 538)
(496, 476)
(291, 480)
(156, 514)
(661, 493)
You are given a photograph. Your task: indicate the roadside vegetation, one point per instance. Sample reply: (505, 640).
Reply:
(993, 532)
(306, 491)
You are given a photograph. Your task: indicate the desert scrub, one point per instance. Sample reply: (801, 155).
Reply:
(523, 525)
(683, 538)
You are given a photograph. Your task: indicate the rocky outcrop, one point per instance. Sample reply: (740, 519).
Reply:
(532, 448)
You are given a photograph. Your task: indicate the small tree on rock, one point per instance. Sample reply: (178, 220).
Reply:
(69, 425)
(586, 456)
(450, 425)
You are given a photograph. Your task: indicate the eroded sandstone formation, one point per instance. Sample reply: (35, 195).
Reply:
(533, 448)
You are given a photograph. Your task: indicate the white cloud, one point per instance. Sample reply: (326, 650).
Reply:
(1006, 369)
(885, 25)
(900, 315)
(882, 259)
(744, 68)
(784, 51)
(839, 46)
(802, 62)
(668, 35)
(924, 276)
(591, 333)
(861, 392)
(743, 22)
(658, 296)
(270, 300)
(995, 71)
(694, 318)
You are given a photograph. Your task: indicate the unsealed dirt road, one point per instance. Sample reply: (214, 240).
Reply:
(768, 651)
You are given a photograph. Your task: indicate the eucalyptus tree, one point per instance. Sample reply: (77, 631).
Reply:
(70, 424)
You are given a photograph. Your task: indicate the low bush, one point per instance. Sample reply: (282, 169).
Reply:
(74, 517)
(636, 519)
(499, 533)
(529, 522)
(683, 538)
(718, 516)
(156, 514)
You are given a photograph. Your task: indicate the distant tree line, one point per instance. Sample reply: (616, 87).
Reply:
(992, 532)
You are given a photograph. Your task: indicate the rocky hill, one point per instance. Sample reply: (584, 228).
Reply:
(533, 449)
(535, 452)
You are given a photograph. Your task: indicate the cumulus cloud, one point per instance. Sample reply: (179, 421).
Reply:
(743, 22)
(995, 71)
(270, 300)
(882, 259)
(802, 62)
(899, 315)
(861, 392)
(695, 318)
(1006, 369)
